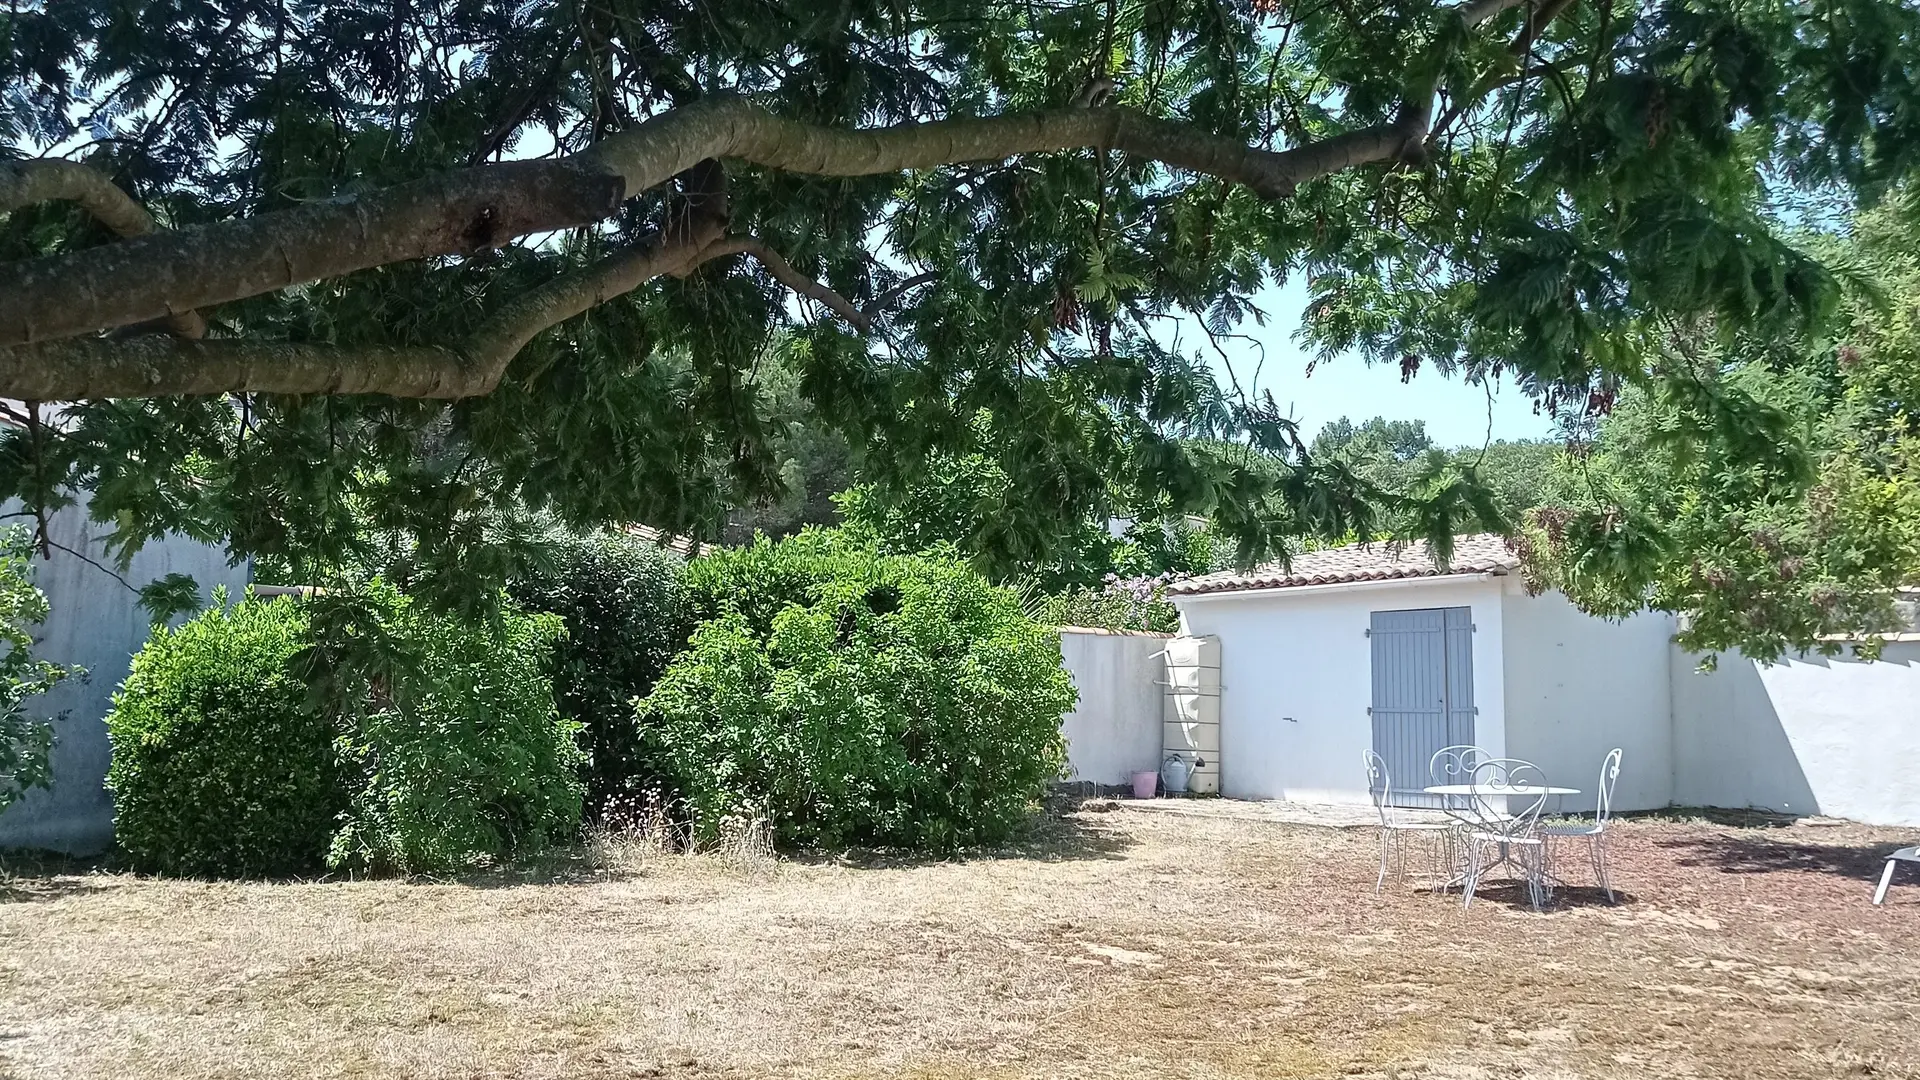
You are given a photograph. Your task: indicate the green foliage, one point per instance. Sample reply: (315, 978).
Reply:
(855, 698)
(815, 461)
(971, 505)
(164, 598)
(1122, 604)
(354, 731)
(463, 757)
(219, 768)
(966, 505)
(1401, 459)
(622, 601)
(1626, 175)
(1769, 493)
(26, 744)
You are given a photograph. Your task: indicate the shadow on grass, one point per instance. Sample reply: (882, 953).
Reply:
(36, 876)
(1765, 855)
(1564, 898)
(1055, 835)
(1749, 818)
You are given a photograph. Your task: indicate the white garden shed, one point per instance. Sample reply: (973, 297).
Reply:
(1377, 646)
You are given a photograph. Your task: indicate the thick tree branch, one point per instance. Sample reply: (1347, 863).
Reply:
(153, 365)
(27, 183)
(46, 304)
(148, 277)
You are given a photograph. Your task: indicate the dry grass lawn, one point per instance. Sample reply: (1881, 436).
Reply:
(1123, 943)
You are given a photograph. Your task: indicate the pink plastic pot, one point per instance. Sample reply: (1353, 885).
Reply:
(1145, 783)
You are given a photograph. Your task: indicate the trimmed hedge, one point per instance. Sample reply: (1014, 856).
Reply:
(277, 737)
(219, 767)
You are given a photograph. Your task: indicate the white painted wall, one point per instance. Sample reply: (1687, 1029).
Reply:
(95, 621)
(1811, 735)
(1577, 686)
(1115, 729)
(1296, 677)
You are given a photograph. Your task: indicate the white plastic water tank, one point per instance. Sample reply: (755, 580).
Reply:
(1191, 710)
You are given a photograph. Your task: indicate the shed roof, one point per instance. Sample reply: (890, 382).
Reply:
(1480, 553)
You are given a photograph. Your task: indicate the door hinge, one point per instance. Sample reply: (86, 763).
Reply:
(1367, 632)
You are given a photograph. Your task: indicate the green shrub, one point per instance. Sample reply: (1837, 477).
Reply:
(219, 767)
(853, 698)
(456, 750)
(355, 731)
(625, 611)
(1129, 604)
(26, 744)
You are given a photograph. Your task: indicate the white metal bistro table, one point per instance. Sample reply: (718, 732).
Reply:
(1480, 792)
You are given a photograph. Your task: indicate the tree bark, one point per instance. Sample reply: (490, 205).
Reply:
(152, 276)
(150, 365)
(27, 183)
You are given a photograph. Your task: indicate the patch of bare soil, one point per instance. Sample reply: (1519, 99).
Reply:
(1124, 943)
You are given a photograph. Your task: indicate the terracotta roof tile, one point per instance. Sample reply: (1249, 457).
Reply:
(1481, 553)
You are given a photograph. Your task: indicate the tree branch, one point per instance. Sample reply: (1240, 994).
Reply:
(885, 300)
(467, 210)
(27, 183)
(153, 365)
(785, 274)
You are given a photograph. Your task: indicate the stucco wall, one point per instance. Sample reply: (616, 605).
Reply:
(1115, 729)
(1811, 735)
(95, 622)
(1578, 686)
(1296, 680)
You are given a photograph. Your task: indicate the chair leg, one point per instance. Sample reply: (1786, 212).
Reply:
(1598, 844)
(1386, 842)
(1473, 872)
(1886, 879)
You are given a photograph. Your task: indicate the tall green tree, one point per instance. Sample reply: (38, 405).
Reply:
(290, 263)
(1401, 459)
(1796, 518)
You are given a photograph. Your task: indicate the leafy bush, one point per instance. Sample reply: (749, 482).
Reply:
(623, 601)
(456, 750)
(853, 698)
(1138, 603)
(355, 731)
(219, 767)
(26, 744)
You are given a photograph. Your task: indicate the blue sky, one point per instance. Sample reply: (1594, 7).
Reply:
(1456, 414)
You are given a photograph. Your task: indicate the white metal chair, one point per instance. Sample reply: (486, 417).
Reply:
(1396, 832)
(1511, 835)
(1596, 833)
(1454, 765)
(1905, 854)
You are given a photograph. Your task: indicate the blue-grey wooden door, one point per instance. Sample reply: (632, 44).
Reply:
(1422, 693)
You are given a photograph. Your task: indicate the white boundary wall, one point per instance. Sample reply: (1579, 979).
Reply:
(97, 623)
(1810, 735)
(1115, 729)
